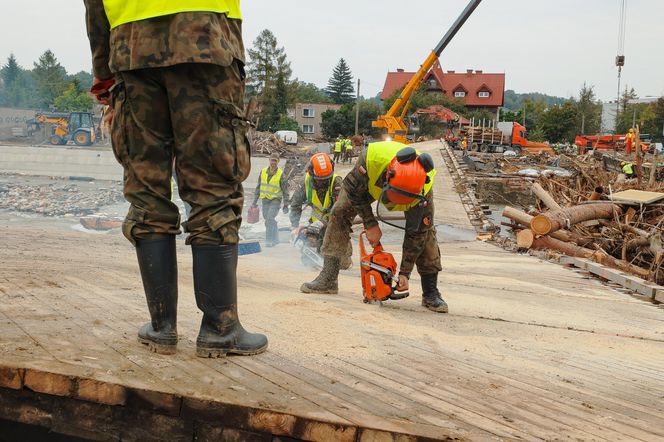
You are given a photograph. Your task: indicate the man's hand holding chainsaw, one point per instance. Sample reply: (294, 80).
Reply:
(374, 234)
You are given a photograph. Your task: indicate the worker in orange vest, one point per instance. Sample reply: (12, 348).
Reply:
(629, 141)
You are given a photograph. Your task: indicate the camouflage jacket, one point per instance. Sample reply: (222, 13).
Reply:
(419, 220)
(187, 37)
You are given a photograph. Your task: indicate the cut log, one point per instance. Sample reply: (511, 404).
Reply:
(550, 222)
(524, 219)
(597, 194)
(569, 249)
(525, 239)
(545, 197)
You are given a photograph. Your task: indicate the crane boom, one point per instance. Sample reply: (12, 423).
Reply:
(393, 119)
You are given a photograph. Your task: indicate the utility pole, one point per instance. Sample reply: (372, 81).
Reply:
(583, 124)
(524, 114)
(634, 118)
(357, 109)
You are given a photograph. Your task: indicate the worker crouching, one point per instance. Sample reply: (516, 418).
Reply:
(401, 179)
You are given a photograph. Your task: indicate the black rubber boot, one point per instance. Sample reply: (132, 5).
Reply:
(327, 280)
(157, 260)
(431, 298)
(215, 284)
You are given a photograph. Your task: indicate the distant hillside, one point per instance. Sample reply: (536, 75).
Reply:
(514, 101)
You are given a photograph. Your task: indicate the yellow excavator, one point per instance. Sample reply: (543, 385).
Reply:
(76, 126)
(393, 120)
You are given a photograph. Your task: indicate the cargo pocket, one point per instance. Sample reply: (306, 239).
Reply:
(119, 137)
(229, 145)
(227, 224)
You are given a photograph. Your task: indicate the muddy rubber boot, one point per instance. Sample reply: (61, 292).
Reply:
(215, 285)
(157, 260)
(431, 298)
(327, 280)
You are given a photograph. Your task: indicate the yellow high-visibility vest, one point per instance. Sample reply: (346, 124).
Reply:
(271, 189)
(379, 156)
(337, 146)
(120, 12)
(321, 212)
(628, 169)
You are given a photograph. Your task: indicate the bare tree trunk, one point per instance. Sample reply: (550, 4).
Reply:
(524, 219)
(545, 197)
(546, 242)
(549, 222)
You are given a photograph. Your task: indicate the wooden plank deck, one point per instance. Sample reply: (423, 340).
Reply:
(530, 350)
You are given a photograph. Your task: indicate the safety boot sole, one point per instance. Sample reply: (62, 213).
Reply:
(440, 309)
(155, 347)
(331, 291)
(205, 352)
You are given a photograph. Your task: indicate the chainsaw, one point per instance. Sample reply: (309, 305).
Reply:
(379, 274)
(308, 240)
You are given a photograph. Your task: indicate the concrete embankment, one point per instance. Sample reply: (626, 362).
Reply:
(97, 163)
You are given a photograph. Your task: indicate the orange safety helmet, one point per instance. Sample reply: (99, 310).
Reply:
(321, 167)
(406, 176)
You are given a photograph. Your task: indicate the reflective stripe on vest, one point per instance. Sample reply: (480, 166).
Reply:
(379, 156)
(120, 12)
(321, 212)
(271, 189)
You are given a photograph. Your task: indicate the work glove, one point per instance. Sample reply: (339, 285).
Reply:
(285, 209)
(101, 89)
(402, 286)
(374, 234)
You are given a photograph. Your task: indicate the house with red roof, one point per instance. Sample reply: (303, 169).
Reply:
(477, 89)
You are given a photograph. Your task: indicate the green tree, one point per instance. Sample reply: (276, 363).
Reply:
(514, 101)
(589, 110)
(50, 79)
(275, 104)
(83, 78)
(340, 86)
(287, 123)
(266, 61)
(308, 93)
(268, 77)
(558, 123)
(73, 100)
(626, 97)
(341, 122)
(10, 71)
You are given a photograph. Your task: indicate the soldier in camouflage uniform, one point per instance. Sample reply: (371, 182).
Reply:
(420, 245)
(178, 94)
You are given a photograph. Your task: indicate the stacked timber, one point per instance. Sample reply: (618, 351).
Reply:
(576, 217)
(478, 134)
(266, 143)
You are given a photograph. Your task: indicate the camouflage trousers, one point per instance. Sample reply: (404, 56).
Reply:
(189, 117)
(419, 247)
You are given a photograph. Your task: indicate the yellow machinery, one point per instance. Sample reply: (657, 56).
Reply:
(393, 120)
(76, 126)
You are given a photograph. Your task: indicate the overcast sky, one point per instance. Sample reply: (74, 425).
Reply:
(549, 46)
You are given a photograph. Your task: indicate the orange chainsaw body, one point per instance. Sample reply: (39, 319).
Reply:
(378, 270)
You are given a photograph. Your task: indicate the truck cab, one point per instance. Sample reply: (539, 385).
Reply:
(519, 140)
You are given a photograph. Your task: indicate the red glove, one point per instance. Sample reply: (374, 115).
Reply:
(101, 90)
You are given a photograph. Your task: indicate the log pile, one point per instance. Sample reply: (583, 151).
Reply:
(576, 217)
(265, 143)
(478, 133)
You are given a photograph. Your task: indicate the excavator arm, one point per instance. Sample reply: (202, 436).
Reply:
(393, 120)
